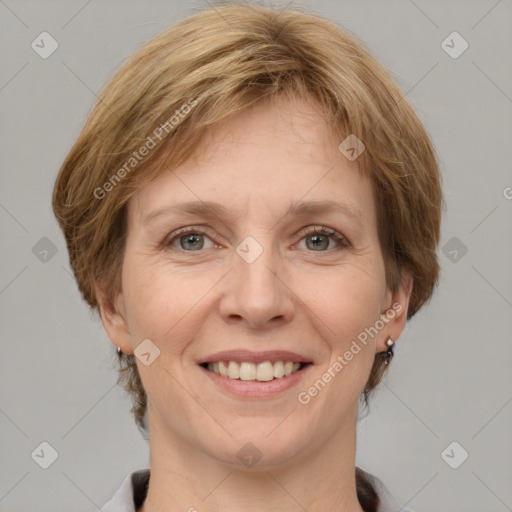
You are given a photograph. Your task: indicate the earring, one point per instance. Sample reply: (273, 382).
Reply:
(389, 351)
(119, 350)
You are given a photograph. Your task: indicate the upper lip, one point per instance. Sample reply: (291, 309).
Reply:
(254, 357)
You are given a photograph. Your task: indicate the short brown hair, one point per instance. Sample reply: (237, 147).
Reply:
(221, 60)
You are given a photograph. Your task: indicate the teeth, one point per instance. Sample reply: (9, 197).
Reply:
(262, 372)
(223, 367)
(278, 369)
(233, 370)
(248, 371)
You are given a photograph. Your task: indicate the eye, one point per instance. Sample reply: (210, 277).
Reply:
(319, 238)
(189, 239)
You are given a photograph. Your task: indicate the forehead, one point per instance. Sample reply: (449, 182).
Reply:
(263, 159)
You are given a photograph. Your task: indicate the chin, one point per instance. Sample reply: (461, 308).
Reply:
(259, 444)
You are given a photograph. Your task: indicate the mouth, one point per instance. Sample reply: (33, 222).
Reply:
(265, 371)
(260, 375)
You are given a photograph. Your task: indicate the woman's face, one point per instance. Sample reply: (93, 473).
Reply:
(251, 283)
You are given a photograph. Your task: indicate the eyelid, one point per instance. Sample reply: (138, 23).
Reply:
(326, 231)
(341, 239)
(172, 237)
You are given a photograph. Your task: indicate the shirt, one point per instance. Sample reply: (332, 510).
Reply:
(130, 496)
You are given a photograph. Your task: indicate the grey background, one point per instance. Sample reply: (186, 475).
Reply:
(450, 379)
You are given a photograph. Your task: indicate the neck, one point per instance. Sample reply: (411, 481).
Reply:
(184, 478)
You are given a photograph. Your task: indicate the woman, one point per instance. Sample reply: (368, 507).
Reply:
(254, 209)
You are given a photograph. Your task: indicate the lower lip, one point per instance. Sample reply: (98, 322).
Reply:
(254, 388)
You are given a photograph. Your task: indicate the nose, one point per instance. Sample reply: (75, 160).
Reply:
(255, 290)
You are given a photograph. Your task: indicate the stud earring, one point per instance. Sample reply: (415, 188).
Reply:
(389, 351)
(119, 351)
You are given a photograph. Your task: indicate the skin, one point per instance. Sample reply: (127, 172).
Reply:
(294, 296)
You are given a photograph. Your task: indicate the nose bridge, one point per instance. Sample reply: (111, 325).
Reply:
(256, 263)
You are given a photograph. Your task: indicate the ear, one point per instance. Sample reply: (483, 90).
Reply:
(113, 318)
(394, 312)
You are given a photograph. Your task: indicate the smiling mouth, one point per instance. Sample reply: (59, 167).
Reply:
(261, 372)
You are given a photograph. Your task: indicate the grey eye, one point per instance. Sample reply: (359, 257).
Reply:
(191, 241)
(317, 241)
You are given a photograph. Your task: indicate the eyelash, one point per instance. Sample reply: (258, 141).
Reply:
(322, 230)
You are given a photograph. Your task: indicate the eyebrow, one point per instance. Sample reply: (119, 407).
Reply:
(209, 209)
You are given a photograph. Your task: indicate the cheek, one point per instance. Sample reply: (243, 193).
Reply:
(346, 300)
(167, 304)
(347, 304)
(162, 303)
(352, 308)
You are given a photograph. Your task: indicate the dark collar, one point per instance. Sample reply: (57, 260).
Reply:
(140, 483)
